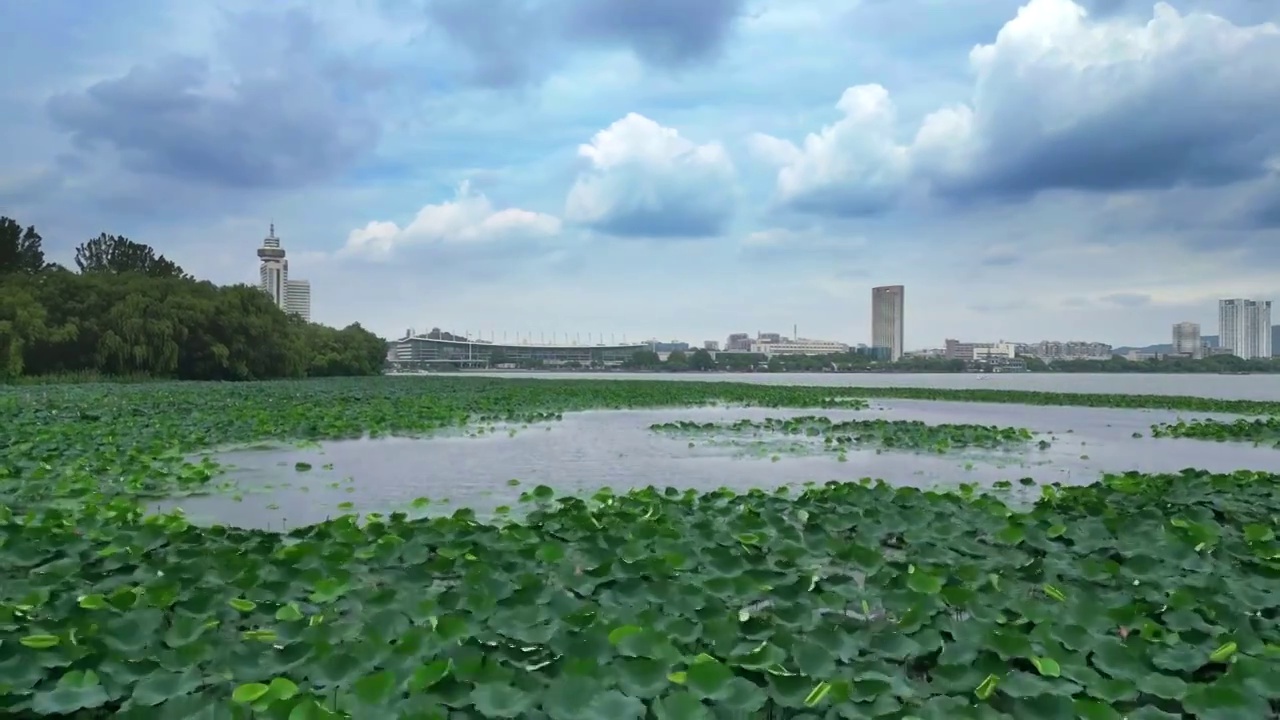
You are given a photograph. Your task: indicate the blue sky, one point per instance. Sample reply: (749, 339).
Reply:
(1043, 169)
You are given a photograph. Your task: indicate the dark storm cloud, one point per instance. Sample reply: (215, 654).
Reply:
(291, 114)
(512, 42)
(1105, 155)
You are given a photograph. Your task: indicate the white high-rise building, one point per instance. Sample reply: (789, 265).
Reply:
(887, 304)
(297, 298)
(1244, 327)
(292, 296)
(1186, 340)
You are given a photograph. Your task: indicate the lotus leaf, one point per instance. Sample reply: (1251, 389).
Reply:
(1140, 596)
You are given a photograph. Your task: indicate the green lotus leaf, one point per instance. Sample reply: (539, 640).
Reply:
(40, 642)
(162, 685)
(501, 700)
(429, 674)
(814, 660)
(923, 582)
(570, 697)
(249, 692)
(97, 601)
(709, 679)
(1048, 667)
(1148, 712)
(641, 677)
(308, 708)
(681, 705)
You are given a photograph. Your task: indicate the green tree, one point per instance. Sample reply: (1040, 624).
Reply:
(701, 360)
(643, 359)
(20, 250)
(117, 254)
(125, 317)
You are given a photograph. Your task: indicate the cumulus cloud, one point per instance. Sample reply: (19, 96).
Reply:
(469, 218)
(283, 114)
(1060, 100)
(645, 180)
(512, 42)
(852, 167)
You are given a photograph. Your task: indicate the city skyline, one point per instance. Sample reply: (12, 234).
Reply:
(648, 170)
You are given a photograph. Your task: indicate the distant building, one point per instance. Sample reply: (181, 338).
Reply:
(273, 278)
(441, 349)
(797, 346)
(668, 347)
(738, 342)
(887, 305)
(1244, 327)
(995, 351)
(297, 298)
(1186, 340)
(1049, 350)
(711, 345)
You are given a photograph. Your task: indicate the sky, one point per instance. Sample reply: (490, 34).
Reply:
(1028, 169)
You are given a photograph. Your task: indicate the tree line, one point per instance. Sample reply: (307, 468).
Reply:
(127, 311)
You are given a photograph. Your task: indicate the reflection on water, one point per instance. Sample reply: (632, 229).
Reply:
(590, 450)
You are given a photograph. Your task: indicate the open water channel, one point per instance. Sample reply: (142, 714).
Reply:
(590, 450)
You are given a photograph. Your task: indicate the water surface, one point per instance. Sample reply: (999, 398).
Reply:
(589, 450)
(1234, 387)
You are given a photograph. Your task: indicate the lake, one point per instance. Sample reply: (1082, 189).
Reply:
(589, 450)
(1230, 387)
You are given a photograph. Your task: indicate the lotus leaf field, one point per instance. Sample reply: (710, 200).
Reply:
(1259, 431)
(1140, 597)
(838, 436)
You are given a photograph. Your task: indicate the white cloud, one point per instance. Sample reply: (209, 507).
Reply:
(1060, 100)
(645, 180)
(468, 218)
(852, 167)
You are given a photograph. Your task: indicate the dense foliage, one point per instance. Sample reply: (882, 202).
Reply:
(1141, 597)
(857, 361)
(1211, 364)
(129, 312)
(840, 435)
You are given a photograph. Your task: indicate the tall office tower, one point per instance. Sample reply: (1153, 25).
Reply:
(292, 296)
(1186, 339)
(1244, 327)
(297, 298)
(886, 319)
(273, 270)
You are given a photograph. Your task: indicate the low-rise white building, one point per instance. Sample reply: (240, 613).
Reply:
(798, 346)
(995, 351)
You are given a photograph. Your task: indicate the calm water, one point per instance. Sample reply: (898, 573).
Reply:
(1236, 387)
(590, 450)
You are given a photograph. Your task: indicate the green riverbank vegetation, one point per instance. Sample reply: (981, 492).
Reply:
(128, 313)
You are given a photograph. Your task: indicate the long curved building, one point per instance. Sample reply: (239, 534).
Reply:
(421, 352)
